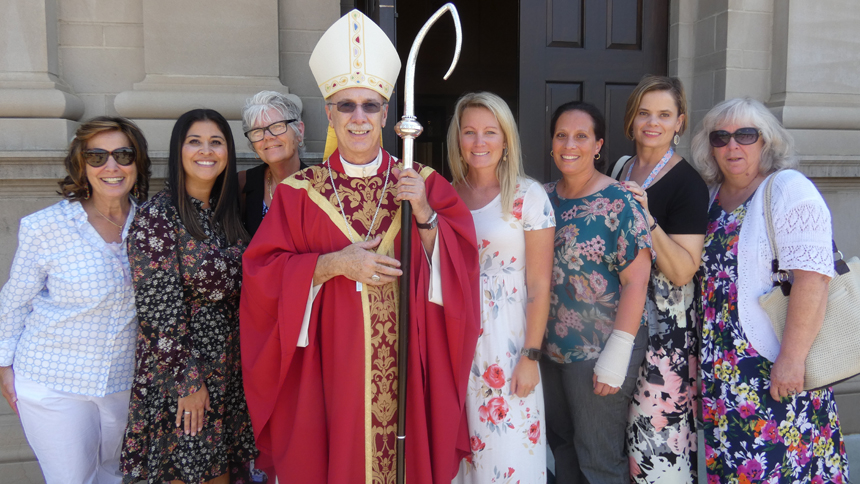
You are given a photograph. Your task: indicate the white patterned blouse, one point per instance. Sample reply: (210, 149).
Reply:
(67, 315)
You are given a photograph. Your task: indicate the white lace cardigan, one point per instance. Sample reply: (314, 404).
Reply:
(801, 223)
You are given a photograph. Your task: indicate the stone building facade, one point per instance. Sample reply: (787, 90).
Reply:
(63, 61)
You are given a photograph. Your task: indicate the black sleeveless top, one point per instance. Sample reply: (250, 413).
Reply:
(254, 193)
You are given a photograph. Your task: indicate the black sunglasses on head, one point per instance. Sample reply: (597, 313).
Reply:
(97, 157)
(349, 106)
(744, 136)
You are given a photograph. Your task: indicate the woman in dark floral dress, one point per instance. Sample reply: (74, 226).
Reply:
(188, 421)
(661, 431)
(759, 423)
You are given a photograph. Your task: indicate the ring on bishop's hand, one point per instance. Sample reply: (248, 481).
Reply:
(374, 278)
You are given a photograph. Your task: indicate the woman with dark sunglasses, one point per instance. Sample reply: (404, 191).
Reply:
(188, 421)
(67, 314)
(760, 425)
(675, 199)
(274, 129)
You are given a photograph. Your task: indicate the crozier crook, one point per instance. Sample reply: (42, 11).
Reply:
(408, 129)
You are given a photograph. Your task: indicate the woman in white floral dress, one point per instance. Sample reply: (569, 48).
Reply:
(515, 224)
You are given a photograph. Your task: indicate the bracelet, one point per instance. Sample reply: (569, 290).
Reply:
(654, 225)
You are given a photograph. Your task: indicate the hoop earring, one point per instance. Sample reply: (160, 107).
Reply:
(597, 156)
(302, 143)
(551, 153)
(677, 139)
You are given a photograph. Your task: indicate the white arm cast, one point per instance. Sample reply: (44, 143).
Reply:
(611, 367)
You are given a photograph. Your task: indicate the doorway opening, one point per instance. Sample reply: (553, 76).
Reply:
(489, 61)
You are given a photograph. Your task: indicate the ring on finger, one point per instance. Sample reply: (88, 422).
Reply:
(374, 278)
(792, 392)
(187, 412)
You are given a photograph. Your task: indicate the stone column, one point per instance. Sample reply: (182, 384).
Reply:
(816, 82)
(37, 109)
(203, 54)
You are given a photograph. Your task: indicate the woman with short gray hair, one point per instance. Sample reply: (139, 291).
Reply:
(760, 423)
(778, 149)
(273, 126)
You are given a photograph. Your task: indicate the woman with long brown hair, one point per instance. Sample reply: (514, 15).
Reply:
(188, 420)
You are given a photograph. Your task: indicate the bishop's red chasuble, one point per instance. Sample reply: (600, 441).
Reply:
(327, 413)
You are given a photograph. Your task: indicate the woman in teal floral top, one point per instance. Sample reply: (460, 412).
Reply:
(595, 339)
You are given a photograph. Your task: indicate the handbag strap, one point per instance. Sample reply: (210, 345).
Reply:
(616, 170)
(783, 279)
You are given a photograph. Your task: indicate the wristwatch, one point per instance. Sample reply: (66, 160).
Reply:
(531, 353)
(430, 225)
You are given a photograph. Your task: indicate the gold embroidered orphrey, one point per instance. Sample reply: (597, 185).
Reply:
(379, 304)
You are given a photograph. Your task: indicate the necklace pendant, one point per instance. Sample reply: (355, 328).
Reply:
(358, 286)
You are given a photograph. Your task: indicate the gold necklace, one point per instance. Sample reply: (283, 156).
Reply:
(106, 218)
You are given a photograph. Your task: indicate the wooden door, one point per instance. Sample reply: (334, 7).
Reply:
(588, 50)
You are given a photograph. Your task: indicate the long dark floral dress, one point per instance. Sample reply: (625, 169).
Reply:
(749, 436)
(187, 297)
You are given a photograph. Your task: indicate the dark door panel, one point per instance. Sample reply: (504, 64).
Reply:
(594, 51)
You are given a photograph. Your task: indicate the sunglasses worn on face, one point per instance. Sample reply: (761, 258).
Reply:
(97, 157)
(275, 129)
(744, 136)
(349, 106)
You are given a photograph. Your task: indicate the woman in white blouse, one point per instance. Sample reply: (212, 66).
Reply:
(67, 315)
(760, 426)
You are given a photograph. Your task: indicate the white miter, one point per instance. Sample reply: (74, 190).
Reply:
(611, 367)
(355, 52)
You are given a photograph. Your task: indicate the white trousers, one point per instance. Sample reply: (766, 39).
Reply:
(76, 438)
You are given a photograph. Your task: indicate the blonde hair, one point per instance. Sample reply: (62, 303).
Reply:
(510, 167)
(777, 151)
(650, 83)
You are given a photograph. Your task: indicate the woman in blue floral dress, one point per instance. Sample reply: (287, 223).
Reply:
(760, 426)
(595, 339)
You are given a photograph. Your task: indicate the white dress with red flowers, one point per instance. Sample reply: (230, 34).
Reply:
(506, 432)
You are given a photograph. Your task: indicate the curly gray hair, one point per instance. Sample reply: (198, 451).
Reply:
(257, 104)
(778, 150)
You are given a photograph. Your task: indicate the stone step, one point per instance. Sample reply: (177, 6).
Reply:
(13, 445)
(21, 473)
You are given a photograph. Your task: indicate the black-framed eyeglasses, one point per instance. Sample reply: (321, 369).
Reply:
(349, 106)
(278, 128)
(744, 136)
(97, 157)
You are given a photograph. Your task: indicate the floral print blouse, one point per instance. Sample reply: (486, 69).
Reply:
(596, 237)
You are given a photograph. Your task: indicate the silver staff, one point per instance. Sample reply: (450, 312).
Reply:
(408, 129)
